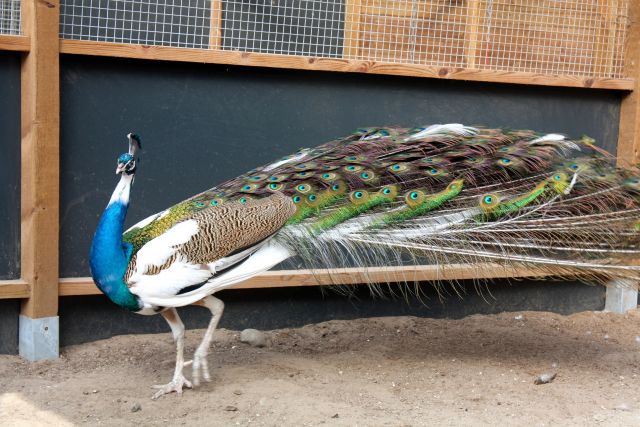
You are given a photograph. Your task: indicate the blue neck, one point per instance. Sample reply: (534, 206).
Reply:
(110, 257)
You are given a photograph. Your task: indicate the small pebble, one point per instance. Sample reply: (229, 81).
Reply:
(335, 416)
(553, 365)
(519, 317)
(638, 340)
(136, 408)
(231, 408)
(588, 332)
(606, 337)
(253, 337)
(623, 407)
(238, 392)
(545, 379)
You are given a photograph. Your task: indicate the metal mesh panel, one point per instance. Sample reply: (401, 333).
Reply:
(289, 27)
(10, 17)
(566, 37)
(571, 37)
(176, 23)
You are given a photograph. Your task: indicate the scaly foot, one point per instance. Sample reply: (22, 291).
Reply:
(200, 367)
(175, 385)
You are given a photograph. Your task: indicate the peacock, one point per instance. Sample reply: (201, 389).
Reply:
(380, 196)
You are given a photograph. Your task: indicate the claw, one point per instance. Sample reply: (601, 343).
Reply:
(175, 385)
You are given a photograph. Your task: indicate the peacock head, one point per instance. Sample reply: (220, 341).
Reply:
(127, 162)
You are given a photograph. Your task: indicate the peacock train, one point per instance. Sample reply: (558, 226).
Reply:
(441, 194)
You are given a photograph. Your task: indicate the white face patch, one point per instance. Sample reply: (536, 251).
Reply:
(122, 193)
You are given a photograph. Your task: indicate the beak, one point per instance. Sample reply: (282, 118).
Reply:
(120, 169)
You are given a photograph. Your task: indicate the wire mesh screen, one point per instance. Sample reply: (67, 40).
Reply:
(10, 17)
(289, 27)
(175, 23)
(566, 37)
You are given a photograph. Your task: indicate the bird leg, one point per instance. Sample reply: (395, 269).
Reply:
(177, 327)
(200, 357)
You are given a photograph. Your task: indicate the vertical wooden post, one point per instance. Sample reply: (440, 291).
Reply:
(471, 32)
(40, 157)
(352, 20)
(215, 34)
(629, 133)
(619, 299)
(612, 19)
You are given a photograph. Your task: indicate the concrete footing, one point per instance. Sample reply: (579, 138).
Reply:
(39, 338)
(619, 299)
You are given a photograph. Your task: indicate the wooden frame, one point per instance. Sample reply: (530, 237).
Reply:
(292, 278)
(629, 133)
(18, 43)
(41, 287)
(40, 99)
(81, 47)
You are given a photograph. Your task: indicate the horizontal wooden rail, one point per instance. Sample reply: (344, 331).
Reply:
(19, 43)
(82, 47)
(344, 276)
(14, 289)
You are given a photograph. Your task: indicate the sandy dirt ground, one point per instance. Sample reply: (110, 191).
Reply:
(400, 371)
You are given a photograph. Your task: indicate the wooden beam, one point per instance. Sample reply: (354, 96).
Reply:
(343, 276)
(14, 289)
(82, 47)
(351, 29)
(40, 158)
(19, 43)
(471, 32)
(629, 133)
(215, 32)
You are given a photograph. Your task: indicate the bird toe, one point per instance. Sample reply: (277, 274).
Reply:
(175, 385)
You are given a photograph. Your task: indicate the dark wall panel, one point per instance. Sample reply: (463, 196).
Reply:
(9, 165)
(9, 194)
(202, 124)
(90, 318)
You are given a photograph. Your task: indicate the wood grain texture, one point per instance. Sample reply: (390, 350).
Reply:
(40, 157)
(344, 276)
(333, 64)
(14, 289)
(352, 28)
(215, 34)
(18, 43)
(629, 134)
(471, 32)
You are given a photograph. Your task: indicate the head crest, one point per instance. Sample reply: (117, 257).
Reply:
(134, 143)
